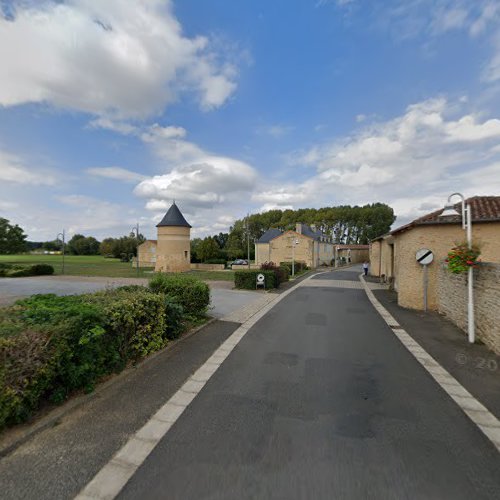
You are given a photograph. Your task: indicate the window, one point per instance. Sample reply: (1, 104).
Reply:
(185, 254)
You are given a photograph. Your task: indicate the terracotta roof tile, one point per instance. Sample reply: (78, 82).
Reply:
(484, 209)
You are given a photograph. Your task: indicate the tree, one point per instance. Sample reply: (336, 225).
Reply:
(195, 246)
(12, 238)
(82, 245)
(106, 247)
(209, 249)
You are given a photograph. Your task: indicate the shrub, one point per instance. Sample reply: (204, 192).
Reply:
(40, 270)
(174, 314)
(215, 261)
(247, 279)
(298, 264)
(26, 372)
(189, 292)
(17, 271)
(281, 273)
(51, 345)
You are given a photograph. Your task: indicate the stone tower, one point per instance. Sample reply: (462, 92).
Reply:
(173, 250)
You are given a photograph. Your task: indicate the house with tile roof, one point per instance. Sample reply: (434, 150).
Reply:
(393, 256)
(305, 244)
(171, 251)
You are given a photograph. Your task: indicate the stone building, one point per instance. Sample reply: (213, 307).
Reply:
(393, 255)
(171, 251)
(305, 244)
(147, 253)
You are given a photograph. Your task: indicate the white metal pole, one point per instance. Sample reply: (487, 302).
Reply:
(293, 258)
(470, 278)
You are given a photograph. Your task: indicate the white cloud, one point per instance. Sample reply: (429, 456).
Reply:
(117, 173)
(411, 162)
(13, 169)
(113, 59)
(113, 125)
(206, 186)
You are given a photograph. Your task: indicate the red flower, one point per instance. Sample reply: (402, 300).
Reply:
(470, 262)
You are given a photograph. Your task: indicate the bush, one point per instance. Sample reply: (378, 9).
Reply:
(281, 273)
(51, 345)
(41, 269)
(247, 279)
(298, 264)
(17, 271)
(189, 292)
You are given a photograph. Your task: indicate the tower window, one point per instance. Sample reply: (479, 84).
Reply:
(185, 254)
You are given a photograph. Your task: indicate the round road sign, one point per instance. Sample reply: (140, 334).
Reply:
(260, 278)
(424, 256)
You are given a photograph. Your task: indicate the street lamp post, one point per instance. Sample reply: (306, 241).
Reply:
(136, 231)
(467, 226)
(63, 249)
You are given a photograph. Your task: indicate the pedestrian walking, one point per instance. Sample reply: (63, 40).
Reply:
(365, 267)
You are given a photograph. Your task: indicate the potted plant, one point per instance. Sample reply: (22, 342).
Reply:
(461, 258)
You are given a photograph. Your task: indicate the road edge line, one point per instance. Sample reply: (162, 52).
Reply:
(111, 479)
(476, 411)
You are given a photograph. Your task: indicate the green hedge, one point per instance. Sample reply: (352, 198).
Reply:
(19, 270)
(190, 292)
(51, 346)
(247, 279)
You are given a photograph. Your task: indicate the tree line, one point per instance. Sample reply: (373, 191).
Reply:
(347, 225)
(344, 224)
(13, 240)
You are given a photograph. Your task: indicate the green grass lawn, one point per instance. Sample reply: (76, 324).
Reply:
(95, 265)
(81, 265)
(214, 275)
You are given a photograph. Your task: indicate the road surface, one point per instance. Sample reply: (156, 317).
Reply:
(321, 400)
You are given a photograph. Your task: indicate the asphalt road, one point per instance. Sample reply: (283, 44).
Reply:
(320, 400)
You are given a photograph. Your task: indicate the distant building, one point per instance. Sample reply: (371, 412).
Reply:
(305, 244)
(171, 251)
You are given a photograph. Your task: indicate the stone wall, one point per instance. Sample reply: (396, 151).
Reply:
(440, 239)
(452, 298)
(207, 267)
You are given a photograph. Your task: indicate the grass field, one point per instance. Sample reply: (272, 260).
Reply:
(95, 265)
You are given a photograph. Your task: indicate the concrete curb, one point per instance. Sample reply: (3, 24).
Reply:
(21, 436)
(477, 412)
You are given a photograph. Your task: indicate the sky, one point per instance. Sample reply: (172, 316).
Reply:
(110, 110)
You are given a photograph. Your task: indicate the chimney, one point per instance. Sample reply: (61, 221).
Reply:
(298, 228)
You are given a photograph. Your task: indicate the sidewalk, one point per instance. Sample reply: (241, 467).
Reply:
(474, 366)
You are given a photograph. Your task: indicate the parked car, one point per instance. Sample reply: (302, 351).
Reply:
(239, 262)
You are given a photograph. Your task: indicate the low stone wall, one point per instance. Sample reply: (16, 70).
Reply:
(236, 267)
(452, 300)
(207, 267)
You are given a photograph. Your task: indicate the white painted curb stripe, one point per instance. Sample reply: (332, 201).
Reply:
(478, 413)
(111, 479)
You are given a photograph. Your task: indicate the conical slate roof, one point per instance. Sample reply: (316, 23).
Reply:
(173, 218)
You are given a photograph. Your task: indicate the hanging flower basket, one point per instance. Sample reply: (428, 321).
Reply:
(461, 258)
